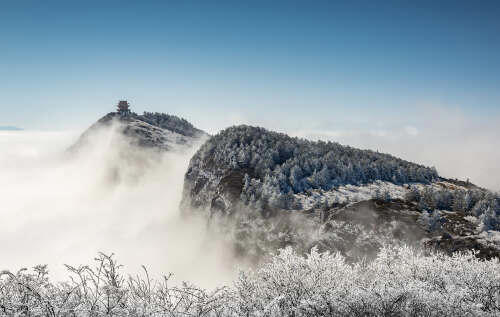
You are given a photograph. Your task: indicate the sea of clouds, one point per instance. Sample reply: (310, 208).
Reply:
(58, 207)
(61, 207)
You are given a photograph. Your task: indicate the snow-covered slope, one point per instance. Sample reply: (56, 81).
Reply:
(152, 130)
(128, 146)
(268, 190)
(268, 169)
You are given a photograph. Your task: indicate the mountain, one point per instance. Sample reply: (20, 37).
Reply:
(10, 128)
(157, 131)
(126, 146)
(267, 190)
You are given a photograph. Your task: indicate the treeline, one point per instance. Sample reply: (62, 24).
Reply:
(280, 165)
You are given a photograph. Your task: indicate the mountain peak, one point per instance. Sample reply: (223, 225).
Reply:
(151, 129)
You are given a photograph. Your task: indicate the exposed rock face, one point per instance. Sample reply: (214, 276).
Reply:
(401, 219)
(269, 190)
(215, 191)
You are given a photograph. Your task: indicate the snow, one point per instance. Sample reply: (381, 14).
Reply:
(352, 193)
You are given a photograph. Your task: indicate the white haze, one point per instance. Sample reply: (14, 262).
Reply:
(110, 198)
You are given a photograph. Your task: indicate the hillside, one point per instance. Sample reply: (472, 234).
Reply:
(269, 169)
(151, 130)
(269, 190)
(127, 146)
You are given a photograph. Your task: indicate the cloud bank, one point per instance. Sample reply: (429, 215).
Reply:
(110, 197)
(458, 145)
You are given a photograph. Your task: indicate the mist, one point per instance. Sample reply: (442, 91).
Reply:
(58, 207)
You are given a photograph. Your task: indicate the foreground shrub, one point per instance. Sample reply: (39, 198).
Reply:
(399, 282)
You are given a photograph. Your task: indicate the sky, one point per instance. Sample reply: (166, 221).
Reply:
(359, 72)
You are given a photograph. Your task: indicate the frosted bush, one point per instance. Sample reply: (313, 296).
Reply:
(401, 281)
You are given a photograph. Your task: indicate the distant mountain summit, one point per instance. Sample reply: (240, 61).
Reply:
(151, 129)
(10, 128)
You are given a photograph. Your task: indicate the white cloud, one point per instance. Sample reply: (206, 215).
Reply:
(379, 133)
(411, 130)
(318, 135)
(110, 198)
(457, 144)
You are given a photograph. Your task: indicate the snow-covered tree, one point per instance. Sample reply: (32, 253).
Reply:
(489, 220)
(300, 164)
(400, 281)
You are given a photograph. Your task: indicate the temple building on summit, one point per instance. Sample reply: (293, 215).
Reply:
(123, 108)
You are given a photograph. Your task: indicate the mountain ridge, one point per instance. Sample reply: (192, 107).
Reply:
(156, 130)
(279, 165)
(267, 190)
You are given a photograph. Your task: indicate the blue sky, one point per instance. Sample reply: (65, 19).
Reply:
(290, 64)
